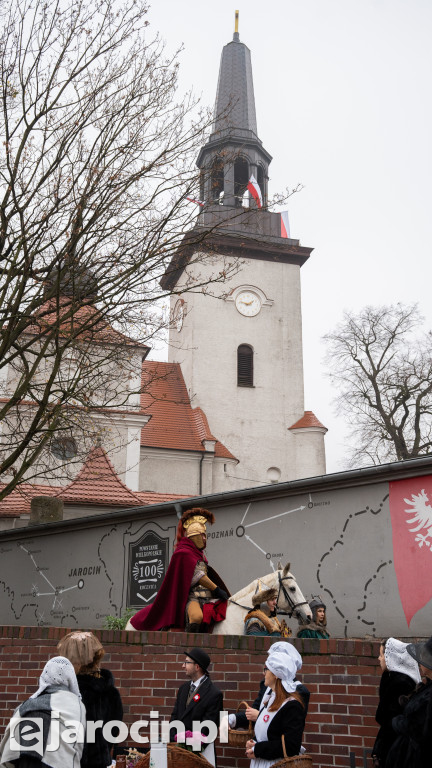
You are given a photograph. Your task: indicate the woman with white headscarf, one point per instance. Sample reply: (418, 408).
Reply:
(47, 731)
(241, 719)
(400, 675)
(281, 719)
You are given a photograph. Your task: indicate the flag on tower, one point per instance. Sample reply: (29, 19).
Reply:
(285, 227)
(254, 189)
(197, 202)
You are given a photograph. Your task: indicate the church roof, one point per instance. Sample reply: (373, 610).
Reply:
(174, 424)
(95, 326)
(97, 484)
(308, 420)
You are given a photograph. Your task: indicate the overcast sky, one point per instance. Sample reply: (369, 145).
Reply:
(343, 101)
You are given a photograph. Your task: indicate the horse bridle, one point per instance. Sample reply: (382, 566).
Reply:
(287, 597)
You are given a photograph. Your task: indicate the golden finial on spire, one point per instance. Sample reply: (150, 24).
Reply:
(236, 22)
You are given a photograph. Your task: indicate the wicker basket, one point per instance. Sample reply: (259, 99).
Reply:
(178, 757)
(297, 761)
(238, 738)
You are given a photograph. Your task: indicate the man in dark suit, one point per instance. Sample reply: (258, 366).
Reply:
(198, 699)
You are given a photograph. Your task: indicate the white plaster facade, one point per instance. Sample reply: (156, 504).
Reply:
(253, 422)
(187, 473)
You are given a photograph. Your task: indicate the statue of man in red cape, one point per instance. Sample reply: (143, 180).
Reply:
(192, 596)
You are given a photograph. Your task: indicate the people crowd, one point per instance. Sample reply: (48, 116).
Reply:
(73, 686)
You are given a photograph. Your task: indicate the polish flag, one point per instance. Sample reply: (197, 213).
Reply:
(411, 519)
(197, 202)
(285, 227)
(253, 188)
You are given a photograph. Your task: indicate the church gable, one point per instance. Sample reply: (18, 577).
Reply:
(174, 424)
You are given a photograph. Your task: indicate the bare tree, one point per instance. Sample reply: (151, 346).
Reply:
(382, 366)
(96, 164)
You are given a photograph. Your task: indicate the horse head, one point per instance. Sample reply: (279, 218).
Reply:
(290, 598)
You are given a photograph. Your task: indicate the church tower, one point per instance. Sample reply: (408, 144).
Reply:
(240, 349)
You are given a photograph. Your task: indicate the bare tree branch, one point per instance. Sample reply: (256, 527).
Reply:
(383, 372)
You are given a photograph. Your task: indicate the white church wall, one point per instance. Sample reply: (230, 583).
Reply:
(252, 422)
(165, 471)
(310, 451)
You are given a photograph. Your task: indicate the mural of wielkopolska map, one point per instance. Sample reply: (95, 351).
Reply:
(79, 577)
(339, 543)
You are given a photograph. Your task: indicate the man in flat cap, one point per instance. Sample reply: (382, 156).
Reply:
(198, 699)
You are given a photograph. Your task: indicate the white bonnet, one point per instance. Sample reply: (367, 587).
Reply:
(285, 647)
(283, 667)
(58, 671)
(397, 659)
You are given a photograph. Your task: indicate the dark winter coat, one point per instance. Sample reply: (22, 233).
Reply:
(102, 702)
(412, 747)
(289, 721)
(205, 705)
(392, 685)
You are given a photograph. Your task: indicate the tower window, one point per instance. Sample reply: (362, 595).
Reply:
(64, 448)
(217, 179)
(245, 366)
(241, 178)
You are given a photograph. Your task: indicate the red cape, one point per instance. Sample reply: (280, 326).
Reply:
(168, 608)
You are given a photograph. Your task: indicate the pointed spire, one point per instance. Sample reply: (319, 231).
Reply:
(235, 101)
(233, 152)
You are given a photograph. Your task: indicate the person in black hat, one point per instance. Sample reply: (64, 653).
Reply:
(198, 698)
(413, 745)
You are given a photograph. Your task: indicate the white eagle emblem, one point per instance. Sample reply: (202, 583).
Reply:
(422, 518)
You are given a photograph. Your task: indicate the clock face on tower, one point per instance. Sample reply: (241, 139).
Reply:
(248, 303)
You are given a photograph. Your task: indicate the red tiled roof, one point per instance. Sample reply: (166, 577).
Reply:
(201, 425)
(174, 423)
(307, 420)
(95, 326)
(97, 484)
(19, 501)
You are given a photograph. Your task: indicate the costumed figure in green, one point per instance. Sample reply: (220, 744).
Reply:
(318, 626)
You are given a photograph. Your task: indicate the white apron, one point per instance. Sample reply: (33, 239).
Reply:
(261, 727)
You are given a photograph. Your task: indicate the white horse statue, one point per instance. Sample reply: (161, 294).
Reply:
(290, 601)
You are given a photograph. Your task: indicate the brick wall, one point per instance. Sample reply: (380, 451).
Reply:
(342, 675)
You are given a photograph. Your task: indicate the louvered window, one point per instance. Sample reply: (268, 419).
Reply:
(244, 366)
